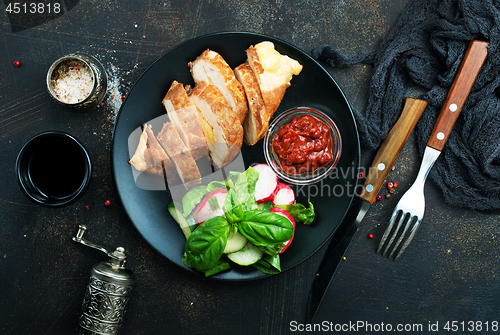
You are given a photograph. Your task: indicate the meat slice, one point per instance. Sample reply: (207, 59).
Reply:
(150, 157)
(180, 155)
(223, 131)
(257, 120)
(182, 113)
(210, 67)
(273, 72)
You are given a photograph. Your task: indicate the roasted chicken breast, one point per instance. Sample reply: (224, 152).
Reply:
(211, 68)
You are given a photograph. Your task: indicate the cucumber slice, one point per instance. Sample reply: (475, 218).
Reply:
(179, 218)
(246, 256)
(235, 242)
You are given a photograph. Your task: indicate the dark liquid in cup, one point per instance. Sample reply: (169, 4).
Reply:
(57, 168)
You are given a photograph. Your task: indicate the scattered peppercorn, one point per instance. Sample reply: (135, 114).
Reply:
(102, 104)
(388, 195)
(107, 203)
(395, 184)
(392, 190)
(361, 175)
(370, 235)
(379, 197)
(17, 63)
(390, 185)
(123, 97)
(87, 206)
(148, 252)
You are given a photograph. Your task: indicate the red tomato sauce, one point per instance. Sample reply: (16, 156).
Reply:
(303, 145)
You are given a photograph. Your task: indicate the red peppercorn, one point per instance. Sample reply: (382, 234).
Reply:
(148, 252)
(123, 97)
(390, 185)
(17, 63)
(87, 206)
(107, 203)
(379, 197)
(370, 235)
(395, 184)
(361, 175)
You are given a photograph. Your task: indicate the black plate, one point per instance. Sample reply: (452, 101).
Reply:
(314, 87)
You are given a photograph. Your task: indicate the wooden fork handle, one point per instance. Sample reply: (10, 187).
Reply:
(468, 71)
(391, 148)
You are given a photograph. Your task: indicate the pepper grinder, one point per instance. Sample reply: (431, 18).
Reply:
(107, 293)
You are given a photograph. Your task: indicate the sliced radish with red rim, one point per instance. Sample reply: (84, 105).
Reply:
(284, 195)
(266, 183)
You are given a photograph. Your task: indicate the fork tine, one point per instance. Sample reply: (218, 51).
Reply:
(395, 233)
(388, 229)
(398, 242)
(408, 240)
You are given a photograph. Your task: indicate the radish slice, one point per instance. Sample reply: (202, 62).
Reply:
(283, 195)
(204, 210)
(266, 184)
(284, 213)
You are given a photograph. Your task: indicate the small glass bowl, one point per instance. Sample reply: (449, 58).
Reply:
(99, 82)
(273, 160)
(34, 175)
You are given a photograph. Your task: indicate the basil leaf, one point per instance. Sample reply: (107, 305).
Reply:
(272, 250)
(273, 261)
(300, 213)
(205, 246)
(222, 265)
(264, 228)
(266, 269)
(269, 264)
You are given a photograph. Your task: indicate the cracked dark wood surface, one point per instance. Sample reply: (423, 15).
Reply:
(449, 272)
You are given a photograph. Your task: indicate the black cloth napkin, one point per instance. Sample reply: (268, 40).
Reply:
(424, 50)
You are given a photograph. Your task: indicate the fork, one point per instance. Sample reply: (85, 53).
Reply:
(410, 209)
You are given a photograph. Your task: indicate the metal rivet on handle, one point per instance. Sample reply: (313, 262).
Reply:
(453, 107)
(369, 188)
(440, 136)
(381, 166)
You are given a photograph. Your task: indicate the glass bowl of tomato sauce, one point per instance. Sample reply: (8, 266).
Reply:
(302, 145)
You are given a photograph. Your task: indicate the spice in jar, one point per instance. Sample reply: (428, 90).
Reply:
(303, 145)
(72, 81)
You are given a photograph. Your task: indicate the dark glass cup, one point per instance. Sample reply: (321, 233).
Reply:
(53, 169)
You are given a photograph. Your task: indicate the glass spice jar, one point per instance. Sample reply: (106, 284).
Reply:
(77, 81)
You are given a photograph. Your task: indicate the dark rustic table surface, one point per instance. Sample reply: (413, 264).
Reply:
(450, 273)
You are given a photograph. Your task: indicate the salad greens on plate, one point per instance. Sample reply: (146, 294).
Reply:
(225, 223)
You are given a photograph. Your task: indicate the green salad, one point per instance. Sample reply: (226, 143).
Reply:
(224, 223)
